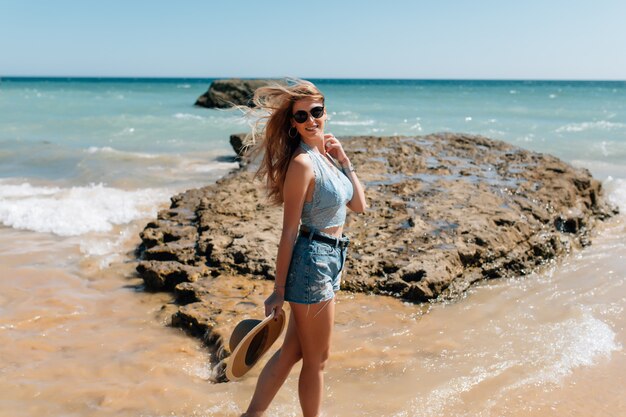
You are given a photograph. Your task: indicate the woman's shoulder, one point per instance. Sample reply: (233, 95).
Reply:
(301, 157)
(301, 162)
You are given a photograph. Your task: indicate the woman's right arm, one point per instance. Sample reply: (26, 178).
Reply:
(299, 176)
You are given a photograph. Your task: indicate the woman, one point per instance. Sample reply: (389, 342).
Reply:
(309, 173)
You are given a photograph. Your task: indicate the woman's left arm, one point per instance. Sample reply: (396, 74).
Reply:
(357, 203)
(334, 148)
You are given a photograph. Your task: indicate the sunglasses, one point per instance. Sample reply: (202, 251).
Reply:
(302, 116)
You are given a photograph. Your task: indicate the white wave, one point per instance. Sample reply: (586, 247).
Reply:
(74, 211)
(113, 151)
(599, 125)
(96, 149)
(353, 122)
(183, 86)
(568, 345)
(550, 353)
(604, 149)
(417, 126)
(125, 132)
(106, 248)
(449, 393)
(616, 190)
(187, 116)
(205, 168)
(25, 190)
(601, 169)
(100, 246)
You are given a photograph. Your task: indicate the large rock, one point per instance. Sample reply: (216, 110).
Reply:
(445, 211)
(225, 93)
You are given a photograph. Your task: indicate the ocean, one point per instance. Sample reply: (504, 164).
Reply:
(86, 162)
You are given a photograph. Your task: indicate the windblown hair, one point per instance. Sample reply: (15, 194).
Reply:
(270, 133)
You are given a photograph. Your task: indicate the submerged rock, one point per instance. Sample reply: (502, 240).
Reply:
(445, 211)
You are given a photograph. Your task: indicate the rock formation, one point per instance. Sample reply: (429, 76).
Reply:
(225, 93)
(445, 211)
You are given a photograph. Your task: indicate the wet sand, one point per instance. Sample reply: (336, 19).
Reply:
(78, 340)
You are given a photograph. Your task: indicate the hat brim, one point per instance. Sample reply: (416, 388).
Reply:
(239, 362)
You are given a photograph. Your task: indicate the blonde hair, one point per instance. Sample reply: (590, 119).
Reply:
(270, 133)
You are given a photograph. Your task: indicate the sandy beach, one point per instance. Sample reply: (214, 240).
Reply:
(90, 344)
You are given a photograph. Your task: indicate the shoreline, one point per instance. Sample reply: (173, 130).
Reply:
(449, 210)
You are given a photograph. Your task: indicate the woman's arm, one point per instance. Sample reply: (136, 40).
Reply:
(357, 203)
(299, 176)
(333, 146)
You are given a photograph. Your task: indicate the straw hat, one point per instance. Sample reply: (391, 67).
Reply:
(249, 341)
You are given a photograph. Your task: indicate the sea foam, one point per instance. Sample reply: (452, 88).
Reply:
(616, 191)
(562, 347)
(74, 211)
(352, 122)
(554, 352)
(599, 125)
(124, 154)
(187, 116)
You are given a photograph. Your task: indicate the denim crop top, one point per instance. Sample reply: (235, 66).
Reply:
(333, 190)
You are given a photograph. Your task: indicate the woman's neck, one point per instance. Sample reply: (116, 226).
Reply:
(316, 143)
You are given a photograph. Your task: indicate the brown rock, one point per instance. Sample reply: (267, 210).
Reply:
(160, 232)
(238, 142)
(165, 275)
(226, 93)
(183, 251)
(445, 211)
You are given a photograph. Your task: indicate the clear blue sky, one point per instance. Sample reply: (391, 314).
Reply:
(522, 39)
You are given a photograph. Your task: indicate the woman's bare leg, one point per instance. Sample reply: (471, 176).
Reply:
(314, 324)
(276, 371)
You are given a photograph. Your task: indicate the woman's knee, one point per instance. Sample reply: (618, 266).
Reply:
(290, 355)
(318, 360)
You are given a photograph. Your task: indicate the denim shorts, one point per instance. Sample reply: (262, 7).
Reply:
(315, 271)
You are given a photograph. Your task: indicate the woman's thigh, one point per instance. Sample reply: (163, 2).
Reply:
(314, 325)
(291, 345)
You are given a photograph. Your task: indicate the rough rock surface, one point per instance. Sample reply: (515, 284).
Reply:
(225, 93)
(445, 210)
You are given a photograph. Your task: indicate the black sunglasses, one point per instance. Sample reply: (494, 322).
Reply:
(302, 116)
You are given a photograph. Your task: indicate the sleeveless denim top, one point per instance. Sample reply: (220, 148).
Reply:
(333, 189)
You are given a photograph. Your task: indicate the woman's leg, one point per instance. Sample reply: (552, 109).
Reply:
(314, 324)
(276, 371)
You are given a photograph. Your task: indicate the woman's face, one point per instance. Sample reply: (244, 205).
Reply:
(311, 127)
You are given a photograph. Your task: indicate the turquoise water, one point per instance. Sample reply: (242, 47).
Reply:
(573, 120)
(144, 136)
(569, 119)
(84, 164)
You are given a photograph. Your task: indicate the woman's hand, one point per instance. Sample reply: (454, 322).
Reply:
(334, 149)
(274, 302)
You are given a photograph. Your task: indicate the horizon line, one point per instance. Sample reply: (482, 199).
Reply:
(116, 77)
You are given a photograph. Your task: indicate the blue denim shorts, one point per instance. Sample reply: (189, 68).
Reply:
(315, 271)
